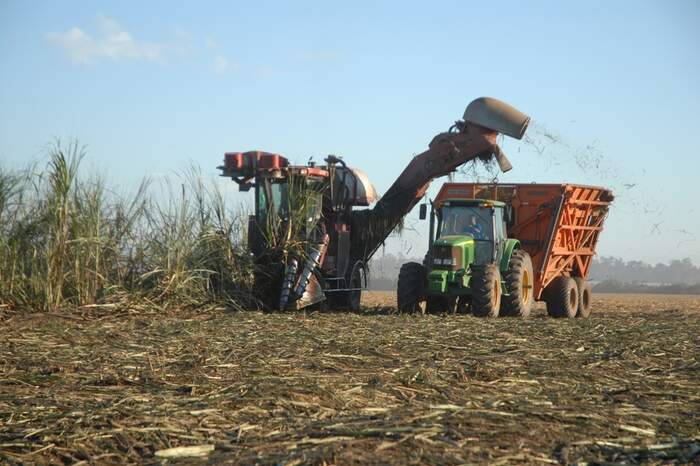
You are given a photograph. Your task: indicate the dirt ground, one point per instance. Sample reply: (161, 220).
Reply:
(120, 386)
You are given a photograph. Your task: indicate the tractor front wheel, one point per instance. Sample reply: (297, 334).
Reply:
(486, 291)
(410, 290)
(562, 297)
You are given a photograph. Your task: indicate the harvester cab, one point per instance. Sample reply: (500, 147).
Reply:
(299, 234)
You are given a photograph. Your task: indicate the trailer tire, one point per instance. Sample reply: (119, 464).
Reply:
(410, 290)
(562, 297)
(584, 297)
(518, 281)
(486, 291)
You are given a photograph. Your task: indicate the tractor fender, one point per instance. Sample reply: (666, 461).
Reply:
(511, 245)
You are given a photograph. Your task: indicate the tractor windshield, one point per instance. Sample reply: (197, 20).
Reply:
(473, 221)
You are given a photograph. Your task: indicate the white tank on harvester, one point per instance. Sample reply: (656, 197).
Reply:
(311, 239)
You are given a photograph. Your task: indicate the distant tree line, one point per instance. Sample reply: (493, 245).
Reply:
(615, 286)
(384, 270)
(675, 272)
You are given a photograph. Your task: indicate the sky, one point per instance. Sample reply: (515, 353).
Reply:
(151, 87)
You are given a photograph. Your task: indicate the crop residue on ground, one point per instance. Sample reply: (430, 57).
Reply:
(117, 386)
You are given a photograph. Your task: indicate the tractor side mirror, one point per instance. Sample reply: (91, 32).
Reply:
(423, 213)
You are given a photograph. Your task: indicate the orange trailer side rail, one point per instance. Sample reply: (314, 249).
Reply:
(557, 224)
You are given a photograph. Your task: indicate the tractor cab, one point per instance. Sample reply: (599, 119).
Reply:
(469, 231)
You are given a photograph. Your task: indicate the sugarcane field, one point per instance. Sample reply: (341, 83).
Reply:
(312, 233)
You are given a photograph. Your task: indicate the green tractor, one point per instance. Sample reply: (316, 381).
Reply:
(471, 264)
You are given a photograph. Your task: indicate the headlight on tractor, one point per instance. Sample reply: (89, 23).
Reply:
(449, 261)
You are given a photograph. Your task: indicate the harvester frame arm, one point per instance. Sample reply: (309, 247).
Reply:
(446, 152)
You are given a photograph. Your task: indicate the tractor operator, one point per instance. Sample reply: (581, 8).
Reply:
(473, 228)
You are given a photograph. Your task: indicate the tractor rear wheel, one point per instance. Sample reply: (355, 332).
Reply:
(486, 291)
(518, 282)
(562, 297)
(584, 297)
(410, 290)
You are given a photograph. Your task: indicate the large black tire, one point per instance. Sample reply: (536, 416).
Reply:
(584, 297)
(486, 291)
(350, 300)
(562, 297)
(410, 290)
(357, 277)
(518, 281)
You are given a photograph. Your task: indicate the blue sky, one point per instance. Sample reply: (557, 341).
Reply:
(612, 88)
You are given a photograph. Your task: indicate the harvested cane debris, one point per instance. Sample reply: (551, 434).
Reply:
(100, 386)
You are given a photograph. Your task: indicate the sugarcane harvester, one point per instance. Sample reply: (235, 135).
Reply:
(310, 236)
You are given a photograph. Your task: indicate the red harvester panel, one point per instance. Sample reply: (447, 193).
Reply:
(247, 163)
(557, 224)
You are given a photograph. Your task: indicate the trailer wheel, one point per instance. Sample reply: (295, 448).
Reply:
(486, 291)
(410, 290)
(562, 297)
(518, 281)
(584, 297)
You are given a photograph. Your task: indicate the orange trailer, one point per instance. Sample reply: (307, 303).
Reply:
(557, 224)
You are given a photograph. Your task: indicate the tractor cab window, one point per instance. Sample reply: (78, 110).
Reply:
(500, 225)
(474, 221)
